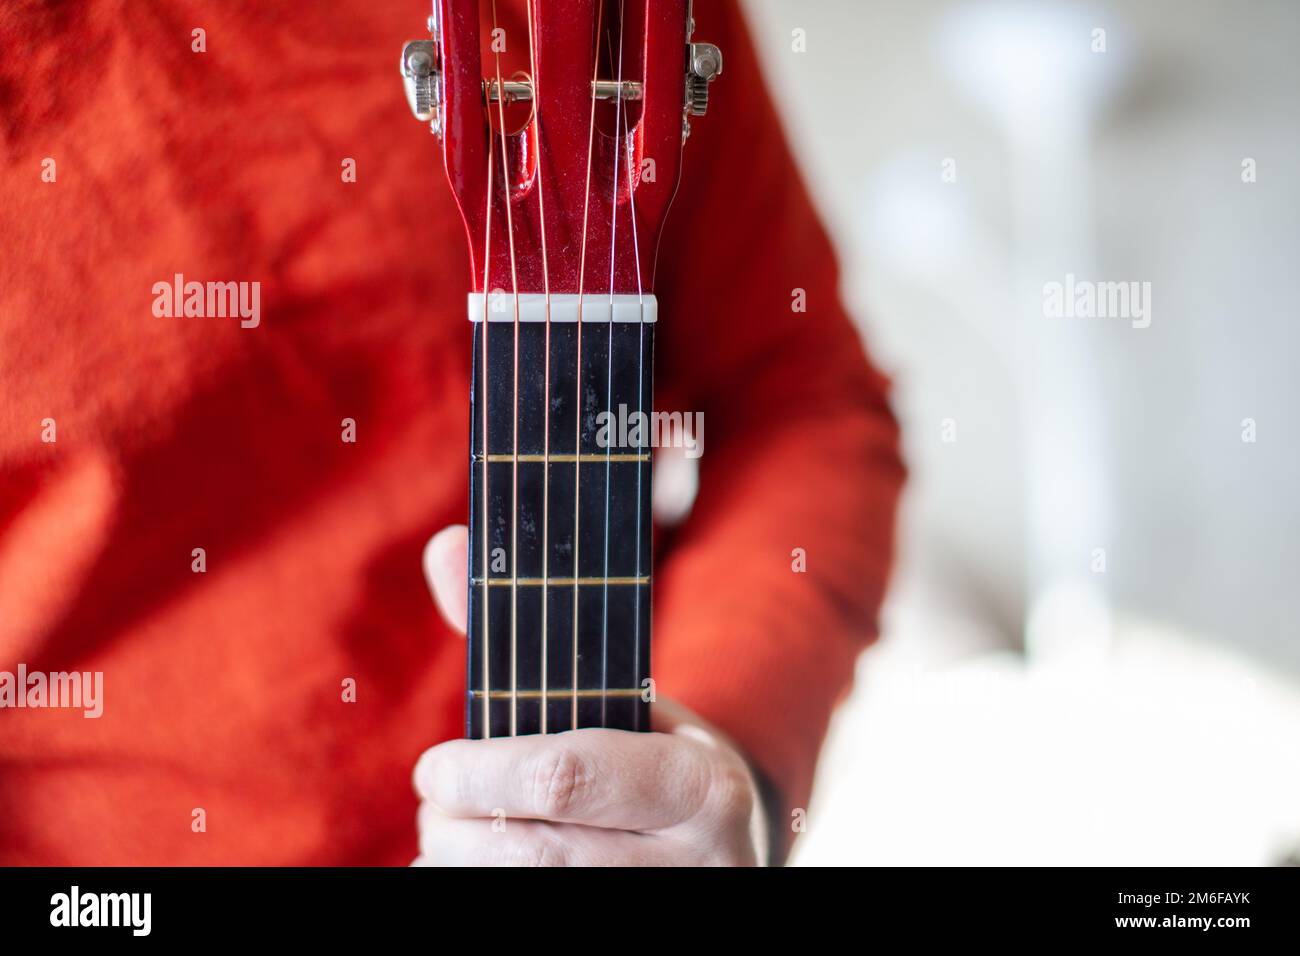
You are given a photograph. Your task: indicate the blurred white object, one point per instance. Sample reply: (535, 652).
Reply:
(1174, 753)
(1044, 72)
(1031, 64)
(676, 482)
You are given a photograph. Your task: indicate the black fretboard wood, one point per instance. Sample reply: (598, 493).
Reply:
(611, 489)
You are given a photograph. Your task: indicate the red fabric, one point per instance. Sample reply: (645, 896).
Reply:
(222, 690)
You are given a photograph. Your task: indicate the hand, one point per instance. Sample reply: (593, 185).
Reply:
(679, 796)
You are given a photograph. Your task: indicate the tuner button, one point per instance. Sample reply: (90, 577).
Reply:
(706, 61)
(419, 66)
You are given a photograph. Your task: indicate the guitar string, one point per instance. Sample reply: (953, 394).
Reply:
(487, 659)
(514, 467)
(640, 407)
(546, 397)
(609, 393)
(609, 387)
(577, 414)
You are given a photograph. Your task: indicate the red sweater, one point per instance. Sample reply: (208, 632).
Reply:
(222, 690)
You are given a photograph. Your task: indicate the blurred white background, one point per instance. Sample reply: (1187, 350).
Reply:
(1024, 706)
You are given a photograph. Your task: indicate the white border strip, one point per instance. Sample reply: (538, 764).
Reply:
(596, 307)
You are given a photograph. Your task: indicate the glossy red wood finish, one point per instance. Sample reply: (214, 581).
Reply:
(551, 151)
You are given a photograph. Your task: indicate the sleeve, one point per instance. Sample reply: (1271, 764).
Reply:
(800, 454)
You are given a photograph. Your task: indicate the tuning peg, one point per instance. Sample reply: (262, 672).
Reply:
(421, 80)
(703, 66)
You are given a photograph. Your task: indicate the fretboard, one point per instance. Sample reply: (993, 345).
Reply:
(559, 526)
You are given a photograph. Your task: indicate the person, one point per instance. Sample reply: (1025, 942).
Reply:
(225, 517)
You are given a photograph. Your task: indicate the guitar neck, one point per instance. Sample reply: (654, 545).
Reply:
(563, 175)
(560, 532)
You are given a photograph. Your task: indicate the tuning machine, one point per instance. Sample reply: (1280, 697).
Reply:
(421, 70)
(422, 78)
(703, 66)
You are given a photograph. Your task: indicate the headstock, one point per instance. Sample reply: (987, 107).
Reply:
(564, 168)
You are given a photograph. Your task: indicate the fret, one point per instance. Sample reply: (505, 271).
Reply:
(623, 563)
(563, 459)
(561, 692)
(612, 578)
(611, 581)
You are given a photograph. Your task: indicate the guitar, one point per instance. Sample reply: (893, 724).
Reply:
(562, 133)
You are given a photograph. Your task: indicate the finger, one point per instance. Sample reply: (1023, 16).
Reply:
(446, 559)
(669, 717)
(596, 777)
(501, 841)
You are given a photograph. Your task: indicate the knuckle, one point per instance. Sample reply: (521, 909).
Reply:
(730, 793)
(693, 785)
(560, 782)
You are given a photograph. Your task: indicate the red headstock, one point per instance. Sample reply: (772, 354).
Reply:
(595, 96)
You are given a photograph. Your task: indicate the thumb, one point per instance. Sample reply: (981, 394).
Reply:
(446, 562)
